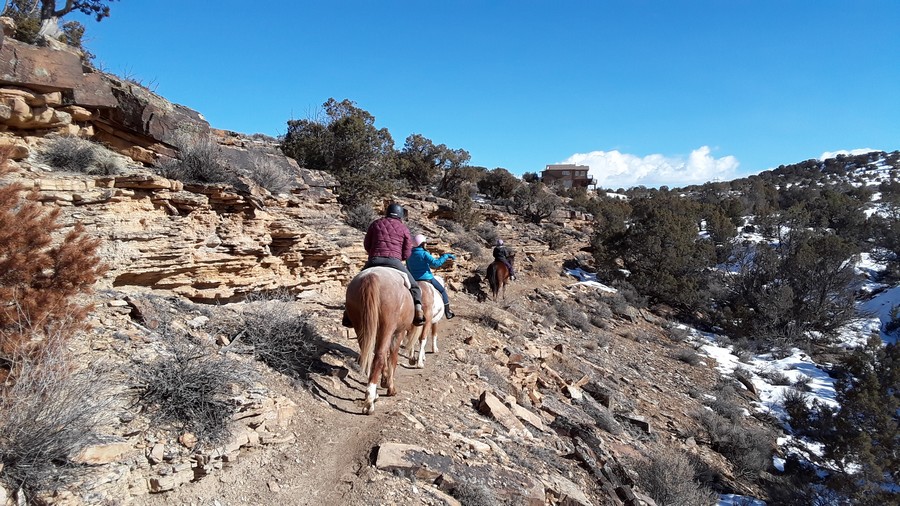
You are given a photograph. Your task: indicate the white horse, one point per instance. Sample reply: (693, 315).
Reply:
(434, 313)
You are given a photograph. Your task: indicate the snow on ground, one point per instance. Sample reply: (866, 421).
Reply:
(739, 500)
(589, 279)
(768, 376)
(880, 307)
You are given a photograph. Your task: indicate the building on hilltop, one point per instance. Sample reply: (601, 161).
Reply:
(568, 175)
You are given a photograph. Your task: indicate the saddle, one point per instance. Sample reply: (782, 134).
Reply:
(387, 271)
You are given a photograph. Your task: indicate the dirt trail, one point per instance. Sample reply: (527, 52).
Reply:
(328, 462)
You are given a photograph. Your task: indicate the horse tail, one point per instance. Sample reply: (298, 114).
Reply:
(492, 277)
(370, 301)
(412, 339)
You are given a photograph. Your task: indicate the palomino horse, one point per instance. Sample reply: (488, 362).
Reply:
(434, 313)
(381, 309)
(498, 276)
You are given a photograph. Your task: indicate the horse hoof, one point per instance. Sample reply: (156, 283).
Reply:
(420, 365)
(370, 408)
(391, 391)
(412, 361)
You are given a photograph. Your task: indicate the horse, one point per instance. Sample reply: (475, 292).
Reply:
(381, 309)
(433, 306)
(498, 276)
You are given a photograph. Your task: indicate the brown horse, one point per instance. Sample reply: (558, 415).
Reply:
(381, 310)
(434, 313)
(498, 276)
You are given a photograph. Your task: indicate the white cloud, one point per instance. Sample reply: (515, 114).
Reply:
(832, 154)
(612, 169)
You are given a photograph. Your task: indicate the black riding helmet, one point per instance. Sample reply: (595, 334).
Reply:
(395, 211)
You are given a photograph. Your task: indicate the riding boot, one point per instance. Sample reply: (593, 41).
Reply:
(447, 313)
(419, 319)
(346, 320)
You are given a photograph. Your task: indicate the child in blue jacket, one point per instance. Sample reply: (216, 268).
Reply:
(420, 263)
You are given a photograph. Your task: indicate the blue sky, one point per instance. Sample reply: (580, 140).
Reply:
(645, 92)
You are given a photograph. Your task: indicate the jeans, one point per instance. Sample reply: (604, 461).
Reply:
(440, 288)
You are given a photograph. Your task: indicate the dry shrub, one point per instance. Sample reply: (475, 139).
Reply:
(188, 388)
(468, 243)
(688, 356)
(51, 413)
(74, 154)
(545, 268)
(748, 449)
(726, 402)
(469, 494)
(572, 316)
(360, 216)
(271, 175)
(282, 338)
(280, 294)
(670, 478)
(776, 377)
(795, 403)
(41, 274)
(488, 233)
(555, 237)
(201, 161)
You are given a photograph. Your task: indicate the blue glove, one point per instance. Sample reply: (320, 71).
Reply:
(451, 256)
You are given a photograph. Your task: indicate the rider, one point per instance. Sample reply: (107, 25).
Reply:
(388, 243)
(501, 253)
(420, 263)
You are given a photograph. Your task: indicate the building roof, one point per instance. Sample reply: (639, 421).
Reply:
(570, 166)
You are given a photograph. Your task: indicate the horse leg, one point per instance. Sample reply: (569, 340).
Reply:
(412, 341)
(372, 388)
(420, 364)
(392, 367)
(434, 346)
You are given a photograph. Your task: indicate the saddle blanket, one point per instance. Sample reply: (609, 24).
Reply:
(388, 272)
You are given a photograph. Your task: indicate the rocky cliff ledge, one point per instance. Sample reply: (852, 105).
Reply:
(205, 242)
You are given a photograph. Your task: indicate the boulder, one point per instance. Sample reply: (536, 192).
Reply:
(38, 68)
(102, 453)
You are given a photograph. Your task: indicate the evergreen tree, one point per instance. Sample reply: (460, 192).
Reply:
(866, 438)
(346, 143)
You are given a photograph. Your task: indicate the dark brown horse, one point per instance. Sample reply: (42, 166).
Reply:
(498, 276)
(381, 310)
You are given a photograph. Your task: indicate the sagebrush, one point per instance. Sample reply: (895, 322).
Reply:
(188, 388)
(282, 338)
(52, 412)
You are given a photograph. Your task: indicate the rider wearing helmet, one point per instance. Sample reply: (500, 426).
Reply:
(420, 263)
(388, 243)
(501, 253)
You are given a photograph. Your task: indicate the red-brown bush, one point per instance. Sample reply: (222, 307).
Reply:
(41, 274)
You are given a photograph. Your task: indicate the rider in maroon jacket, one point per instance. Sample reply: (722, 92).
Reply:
(389, 243)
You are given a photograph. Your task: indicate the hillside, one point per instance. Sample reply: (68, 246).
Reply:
(225, 298)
